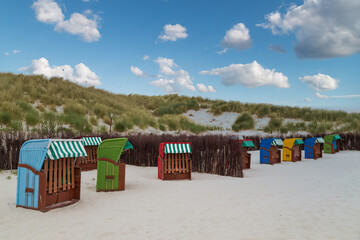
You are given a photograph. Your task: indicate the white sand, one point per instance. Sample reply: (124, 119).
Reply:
(303, 200)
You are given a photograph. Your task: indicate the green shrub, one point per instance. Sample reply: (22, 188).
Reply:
(274, 124)
(283, 130)
(263, 111)
(25, 106)
(75, 108)
(5, 117)
(76, 121)
(243, 122)
(119, 127)
(16, 125)
(162, 127)
(32, 118)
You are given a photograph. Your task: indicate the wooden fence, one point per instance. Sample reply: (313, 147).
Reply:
(210, 153)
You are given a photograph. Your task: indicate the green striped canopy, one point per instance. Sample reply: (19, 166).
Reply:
(277, 142)
(91, 141)
(62, 148)
(320, 140)
(298, 142)
(177, 148)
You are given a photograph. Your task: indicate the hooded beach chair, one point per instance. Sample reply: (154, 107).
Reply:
(312, 147)
(47, 175)
(269, 151)
(174, 161)
(91, 145)
(244, 145)
(291, 149)
(110, 170)
(332, 144)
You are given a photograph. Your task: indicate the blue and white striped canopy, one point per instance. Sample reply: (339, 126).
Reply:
(177, 148)
(91, 141)
(62, 148)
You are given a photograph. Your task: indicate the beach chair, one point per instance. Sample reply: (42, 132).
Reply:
(332, 144)
(269, 150)
(291, 149)
(91, 145)
(244, 145)
(174, 161)
(312, 147)
(110, 170)
(47, 175)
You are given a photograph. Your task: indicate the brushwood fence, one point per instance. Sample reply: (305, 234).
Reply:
(214, 154)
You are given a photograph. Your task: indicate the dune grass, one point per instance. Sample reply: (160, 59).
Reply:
(52, 105)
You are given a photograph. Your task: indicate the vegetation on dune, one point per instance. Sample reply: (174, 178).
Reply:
(35, 103)
(243, 122)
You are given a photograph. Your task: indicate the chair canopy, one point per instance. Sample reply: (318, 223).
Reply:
(291, 142)
(113, 148)
(91, 141)
(268, 142)
(331, 138)
(34, 152)
(247, 143)
(311, 141)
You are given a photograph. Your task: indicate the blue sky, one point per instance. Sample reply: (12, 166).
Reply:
(281, 52)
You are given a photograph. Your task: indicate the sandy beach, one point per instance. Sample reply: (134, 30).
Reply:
(311, 199)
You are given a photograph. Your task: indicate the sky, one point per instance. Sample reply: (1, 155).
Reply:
(294, 53)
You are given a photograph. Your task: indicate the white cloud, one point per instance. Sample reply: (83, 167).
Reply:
(84, 25)
(82, 74)
(48, 11)
(146, 57)
(250, 75)
(237, 37)
(308, 100)
(167, 85)
(320, 82)
(172, 77)
(173, 32)
(166, 65)
(222, 51)
(319, 95)
(137, 71)
(79, 24)
(324, 29)
(12, 52)
(203, 88)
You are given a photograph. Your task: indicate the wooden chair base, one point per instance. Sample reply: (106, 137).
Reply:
(177, 176)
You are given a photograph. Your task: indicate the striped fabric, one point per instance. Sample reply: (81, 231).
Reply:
(320, 140)
(91, 141)
(177, 148)
(277, 142)
(63, 148)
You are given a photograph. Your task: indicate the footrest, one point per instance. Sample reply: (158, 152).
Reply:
(109, 177)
